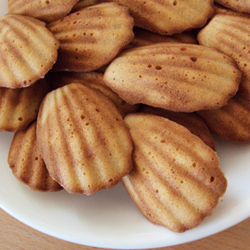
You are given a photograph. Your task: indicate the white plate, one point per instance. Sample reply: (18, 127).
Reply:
(109, 218)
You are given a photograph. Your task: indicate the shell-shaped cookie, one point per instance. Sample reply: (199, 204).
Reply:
(83, 4)
(191, 121)
(145, 37)
(93, 80)
(44, 10)
(176, 180)
(174, 76)
(19, 107)
(26, 162)
(218, 9)
(230, 35)
(239, 6)
(232, 121)
(92, 37)
(170, 16)
(28, 50)
(83, 139)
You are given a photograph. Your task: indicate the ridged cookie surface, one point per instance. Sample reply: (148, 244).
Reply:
(176, 180)
(46, 11)
(232, 121)
(218, 9)
(19, 107)
(168, 17)
(237, 5)
(27, 164)
(93, 80)
(177, 77)
(92, 37)
(83, 139)
(28, 50)
(230, 35)
(191, 121)
(145, 37)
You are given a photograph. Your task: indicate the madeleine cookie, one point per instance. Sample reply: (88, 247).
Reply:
(218, 9)
(27, 164)
(168, 17)
(232, 121)
(174, 76)
(28, 50)
(93, 80)
(230, 35)
(145, 37)
(191, 121)
(19, 107)
(239, 6)
(176, 180)
(92, 37)
(83, 4)
(83, 139)
(46, 11)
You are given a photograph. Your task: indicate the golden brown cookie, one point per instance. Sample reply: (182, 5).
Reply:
(237, 5)
(19, 107)
(230, 35)
(92, 37)
(28, 50)
(174, 76)
(83, 4)
(232, 121)
(170, 16)
(93, 80)
(44, 10)
(176, 180)
(145, 37)
(191, 121)
(83, 139)
(218, 9)
(27, 164)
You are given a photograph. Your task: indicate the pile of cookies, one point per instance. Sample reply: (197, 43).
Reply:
(99, 92)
